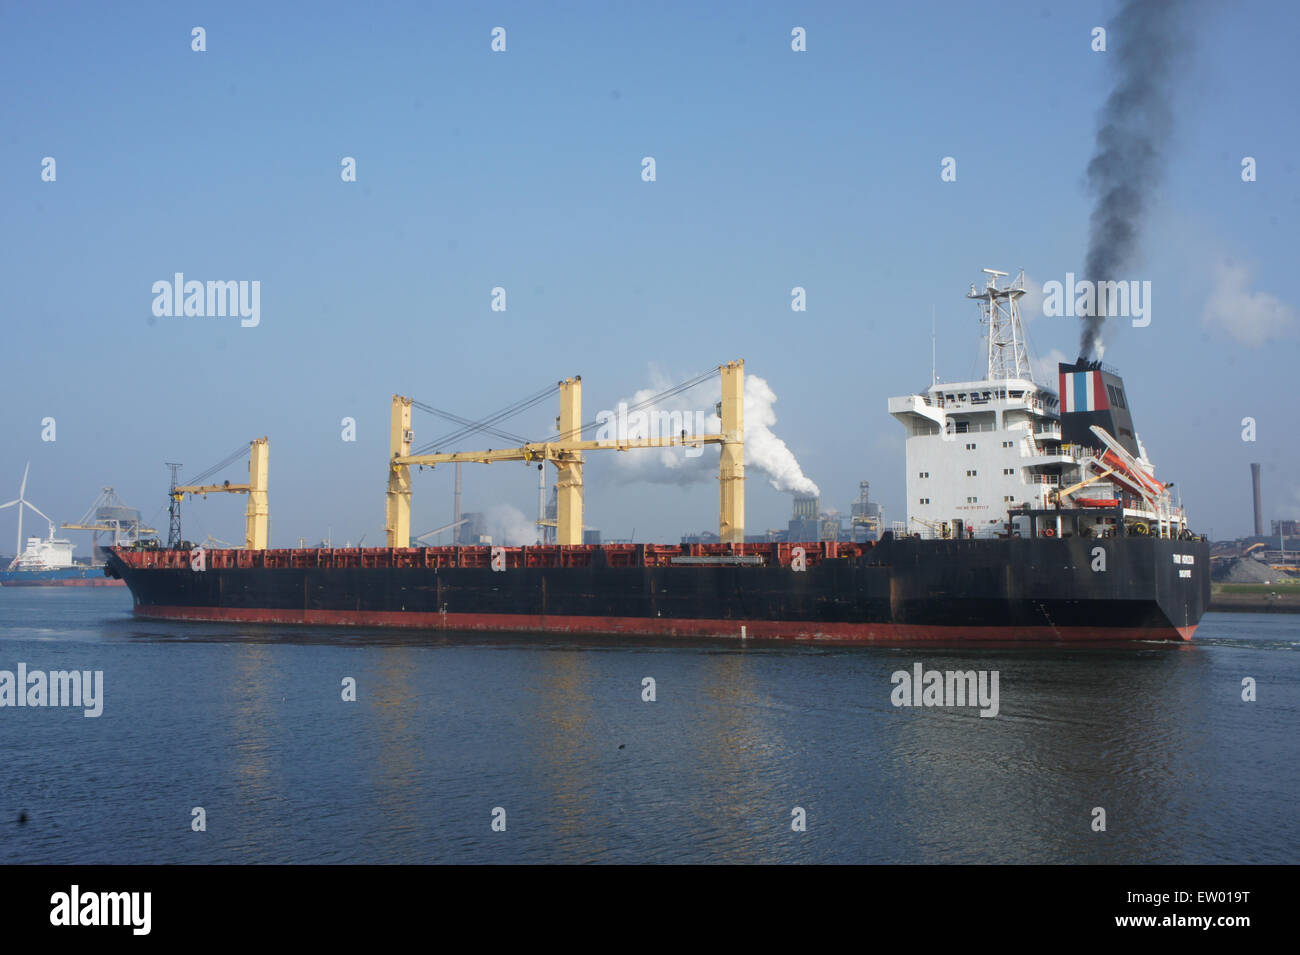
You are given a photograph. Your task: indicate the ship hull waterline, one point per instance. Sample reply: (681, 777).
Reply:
(81, 577)
(659, 627)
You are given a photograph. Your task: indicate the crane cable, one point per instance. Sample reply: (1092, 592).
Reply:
(230, 459)
(653, 400)
(509, 411)
(523, 404)
(468, 424)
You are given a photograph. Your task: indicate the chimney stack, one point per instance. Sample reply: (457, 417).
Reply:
(1259, 508)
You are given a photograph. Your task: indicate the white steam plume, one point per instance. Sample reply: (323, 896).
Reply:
(763, 449)
(508, 526)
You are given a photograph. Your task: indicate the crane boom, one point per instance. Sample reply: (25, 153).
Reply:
(258, 512)
(1082, 484)
(565, 452)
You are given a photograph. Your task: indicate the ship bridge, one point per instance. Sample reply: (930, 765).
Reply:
(977, 450)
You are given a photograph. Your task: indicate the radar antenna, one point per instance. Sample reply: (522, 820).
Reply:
(1008, 356)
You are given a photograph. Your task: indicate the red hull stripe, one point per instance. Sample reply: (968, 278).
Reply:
(662, 627)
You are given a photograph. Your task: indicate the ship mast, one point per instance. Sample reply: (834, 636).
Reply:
(1000, 311)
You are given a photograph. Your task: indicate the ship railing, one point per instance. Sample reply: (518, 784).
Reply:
(500, 558)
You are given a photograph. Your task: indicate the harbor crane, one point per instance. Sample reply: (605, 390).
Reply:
(566, 451)
(108, 514)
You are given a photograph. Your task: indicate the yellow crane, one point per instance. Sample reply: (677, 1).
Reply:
(565, 453)
(257, 520)
(940, 528)
(1065, 491)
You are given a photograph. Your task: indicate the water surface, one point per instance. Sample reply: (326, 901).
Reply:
(248, 722)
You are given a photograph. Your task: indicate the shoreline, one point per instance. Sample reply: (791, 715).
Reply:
(1266, 600)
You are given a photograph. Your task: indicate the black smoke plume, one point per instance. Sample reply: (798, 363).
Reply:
(1145, 43)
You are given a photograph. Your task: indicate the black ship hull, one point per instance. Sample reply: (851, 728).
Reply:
(897, 590)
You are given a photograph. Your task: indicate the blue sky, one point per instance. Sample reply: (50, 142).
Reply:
(522, 169)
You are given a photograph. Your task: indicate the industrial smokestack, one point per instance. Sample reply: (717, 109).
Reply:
(1259, 507)
(1132, 131)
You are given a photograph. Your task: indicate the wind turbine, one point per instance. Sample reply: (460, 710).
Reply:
(22, 501)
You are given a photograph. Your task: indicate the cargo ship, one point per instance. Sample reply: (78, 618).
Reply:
(1033, 515)
(48, 562)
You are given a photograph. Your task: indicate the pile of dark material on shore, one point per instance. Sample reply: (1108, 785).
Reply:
(1247, 570)
(1249, 585)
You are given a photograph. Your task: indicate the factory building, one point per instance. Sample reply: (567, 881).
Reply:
(808, 522)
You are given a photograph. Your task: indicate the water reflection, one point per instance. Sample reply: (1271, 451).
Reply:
(747, 796)
(569, 744)
(394, 760)
(252, 712)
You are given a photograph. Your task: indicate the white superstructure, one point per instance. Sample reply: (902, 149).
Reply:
(978, 449)
(48, 553)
